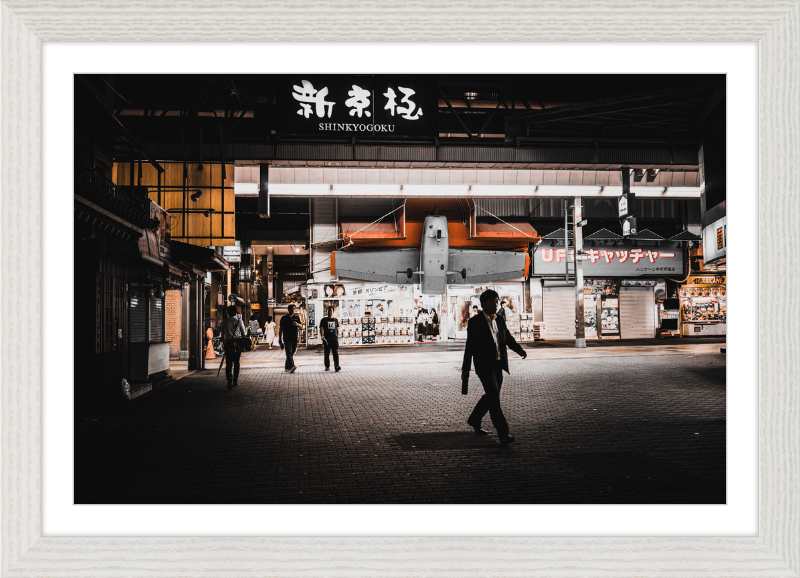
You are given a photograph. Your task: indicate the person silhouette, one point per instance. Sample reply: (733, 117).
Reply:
(487, 339)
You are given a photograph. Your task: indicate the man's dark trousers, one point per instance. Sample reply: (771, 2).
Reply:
(492, 381)
(232, 357)
(331, 348)
(290, 347)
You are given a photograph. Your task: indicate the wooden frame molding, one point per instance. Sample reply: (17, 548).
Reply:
(774, 25)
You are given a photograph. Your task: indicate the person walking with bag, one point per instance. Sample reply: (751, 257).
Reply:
(329, 327)
(269, 329)
(487, 338)
(254, 331)
(287, 336)
(233, 329)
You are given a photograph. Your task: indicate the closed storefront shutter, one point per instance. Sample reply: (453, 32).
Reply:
(637, 312)
(157, 320)
(138, 317)
(559, 312)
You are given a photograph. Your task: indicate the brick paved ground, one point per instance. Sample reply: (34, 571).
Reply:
(630, 429)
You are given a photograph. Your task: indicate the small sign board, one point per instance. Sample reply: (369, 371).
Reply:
(232, 253)
(629, 226)
(626, 204)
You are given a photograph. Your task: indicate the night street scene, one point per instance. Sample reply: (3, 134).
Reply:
(400, 289)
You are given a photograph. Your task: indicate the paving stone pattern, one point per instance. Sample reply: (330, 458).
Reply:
(605, 430)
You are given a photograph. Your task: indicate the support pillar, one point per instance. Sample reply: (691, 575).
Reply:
(196, 353)
(577, 233)
(184, 355)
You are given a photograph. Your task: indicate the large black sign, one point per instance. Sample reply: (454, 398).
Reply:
(349, 105)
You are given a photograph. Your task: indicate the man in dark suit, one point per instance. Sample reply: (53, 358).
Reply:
(487, 338)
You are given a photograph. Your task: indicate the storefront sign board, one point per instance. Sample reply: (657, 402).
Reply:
(624, 260)
(348, 105)
(706, 280)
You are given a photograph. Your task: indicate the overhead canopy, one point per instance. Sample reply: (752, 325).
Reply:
(200, 257)
(504, 230)
(646, 235)
(558, 234)
(603, 235)
(685, 236)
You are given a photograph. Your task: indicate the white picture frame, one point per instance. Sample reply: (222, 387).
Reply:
(776, 28)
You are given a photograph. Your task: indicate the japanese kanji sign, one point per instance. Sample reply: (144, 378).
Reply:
(624, 260)
(366, 104)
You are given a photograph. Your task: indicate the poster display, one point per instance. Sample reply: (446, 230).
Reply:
(311, 326)
(368, 314)
(590, 316)
(609, 315)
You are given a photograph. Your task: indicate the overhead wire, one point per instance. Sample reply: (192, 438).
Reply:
(506, 222)
(118, 94)
(375, 222)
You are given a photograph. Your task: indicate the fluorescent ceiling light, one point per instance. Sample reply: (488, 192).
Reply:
(245, 189)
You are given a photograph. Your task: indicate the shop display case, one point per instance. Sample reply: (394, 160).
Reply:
(703, 311)
(514, 324)
(529, 330)
(376, 331)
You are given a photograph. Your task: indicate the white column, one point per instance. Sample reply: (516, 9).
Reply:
(577, 233)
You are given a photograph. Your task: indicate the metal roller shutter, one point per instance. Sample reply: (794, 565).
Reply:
(637, 313)
(138, 317)
(157, 320)
(559, 312)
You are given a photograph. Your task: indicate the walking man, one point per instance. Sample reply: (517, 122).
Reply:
(487, 338)
(232, 328)
(287, 336)
(329, 327)
(502, 311)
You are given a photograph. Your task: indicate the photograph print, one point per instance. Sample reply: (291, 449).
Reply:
(526, 277)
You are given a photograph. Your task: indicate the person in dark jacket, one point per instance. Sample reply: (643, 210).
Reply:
(232, 329)
(487, 339)
(287, 336)
(502, 311)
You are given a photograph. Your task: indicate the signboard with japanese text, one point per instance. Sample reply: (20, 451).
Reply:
(715, 240)
(333, 290)
(626, 204)
(624, 260)
(352, 105)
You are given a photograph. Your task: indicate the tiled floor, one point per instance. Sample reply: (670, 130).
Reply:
(619, 426)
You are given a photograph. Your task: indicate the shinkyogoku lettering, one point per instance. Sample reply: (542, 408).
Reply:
(350, 127)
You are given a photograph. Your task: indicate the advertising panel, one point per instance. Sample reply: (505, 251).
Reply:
(609, 315)
(624, 260)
